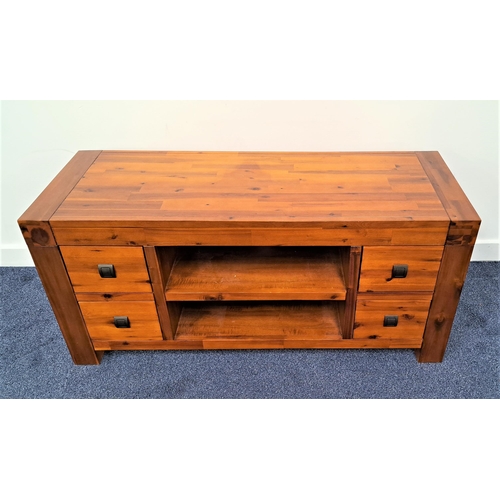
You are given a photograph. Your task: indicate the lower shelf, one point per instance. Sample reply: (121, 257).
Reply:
(259, 321)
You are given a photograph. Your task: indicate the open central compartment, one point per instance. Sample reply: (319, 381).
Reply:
(256, 293)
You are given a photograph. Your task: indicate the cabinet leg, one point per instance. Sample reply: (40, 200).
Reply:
(54, 277)
(450, 280)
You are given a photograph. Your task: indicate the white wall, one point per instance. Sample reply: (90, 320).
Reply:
(39, 138)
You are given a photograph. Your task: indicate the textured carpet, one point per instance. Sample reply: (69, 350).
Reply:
(34, 361)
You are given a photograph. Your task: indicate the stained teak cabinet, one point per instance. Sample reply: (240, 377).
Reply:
(227, 250)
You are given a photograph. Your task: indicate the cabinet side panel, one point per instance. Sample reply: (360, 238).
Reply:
(464, 227)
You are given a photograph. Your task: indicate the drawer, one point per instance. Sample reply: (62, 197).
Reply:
(411, 318)
(422, 263)
(131, 274)
(142, 317)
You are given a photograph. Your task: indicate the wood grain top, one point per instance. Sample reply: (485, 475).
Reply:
(54, 194)
(235, 189)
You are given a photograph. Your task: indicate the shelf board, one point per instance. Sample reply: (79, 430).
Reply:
(268, 321)
(257, 273)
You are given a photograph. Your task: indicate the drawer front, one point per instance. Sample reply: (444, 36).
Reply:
(422, 264)
(142, 318)
(411, 318)
(131, 274)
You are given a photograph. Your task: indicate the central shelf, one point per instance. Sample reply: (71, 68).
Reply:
(277, 320)
(257, 273)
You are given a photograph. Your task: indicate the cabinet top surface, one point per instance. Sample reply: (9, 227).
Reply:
(234, 187)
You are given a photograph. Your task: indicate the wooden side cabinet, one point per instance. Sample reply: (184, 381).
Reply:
(252, 250)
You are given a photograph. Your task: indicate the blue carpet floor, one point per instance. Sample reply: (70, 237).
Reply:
(34, 361)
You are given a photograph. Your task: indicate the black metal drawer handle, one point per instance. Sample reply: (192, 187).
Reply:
(121, 322)
(106, 270)
(390, 321)
(400, 271)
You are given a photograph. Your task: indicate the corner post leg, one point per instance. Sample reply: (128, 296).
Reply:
(450, 280)
(55, 280)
